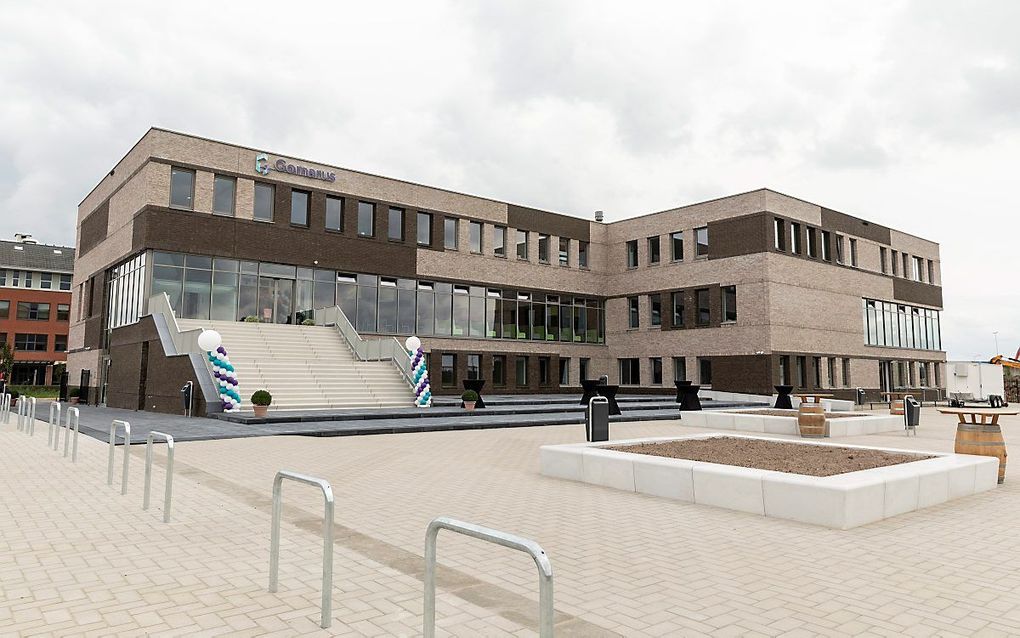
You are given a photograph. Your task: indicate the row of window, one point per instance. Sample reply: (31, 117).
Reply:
(498, 373)
(28, 342)
(798, 376)
(676, 247)
(33, 279)
(914, 267)
(630, 370)
(895, 325)
(702, 315)
(32, 311)
(819, 242)
(182, 185)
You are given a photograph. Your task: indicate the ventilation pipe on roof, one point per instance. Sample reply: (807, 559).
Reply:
(598, 216)
(22, 238)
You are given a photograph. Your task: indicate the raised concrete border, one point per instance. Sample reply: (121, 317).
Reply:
(841, 502)
(744, 422)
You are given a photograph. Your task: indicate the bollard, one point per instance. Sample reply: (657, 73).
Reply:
(53, 426)
(127, 453)
(596, 421)
(167, 491)
(67, 435)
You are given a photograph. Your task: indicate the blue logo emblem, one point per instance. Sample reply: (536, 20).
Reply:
(262, 164)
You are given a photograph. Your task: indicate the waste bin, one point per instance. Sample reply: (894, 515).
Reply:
(186, 397)
(596, 420)
(911, 414)
(860, 396)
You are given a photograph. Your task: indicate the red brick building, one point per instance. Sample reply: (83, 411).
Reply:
(35, 307)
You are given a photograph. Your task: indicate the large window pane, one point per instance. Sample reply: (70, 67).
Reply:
(632, 254)
(387, 309)
(224, 296)
(426, 311)
(264, 196)
(450, 233)
(522, 244)
(395, 226)
(701, 239)
(543, 248)
(182, 188)
(729, 303)
(368, 299)
(366, 219)
(582, 254)
(197, 288)
(299, 207)
(334, 213)
(499, 241)
(704, 314)
(406, 312)
(444, 312)
(424, 229)
(538, 321)
(475, 236)
(477, 327)
(460, 314)
(223, 195)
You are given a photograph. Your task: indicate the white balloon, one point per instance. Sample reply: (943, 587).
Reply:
(209, 340)
(412, 343)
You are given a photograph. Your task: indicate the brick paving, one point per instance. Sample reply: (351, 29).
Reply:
(76, 558)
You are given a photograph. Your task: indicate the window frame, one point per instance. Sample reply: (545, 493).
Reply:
(295, 192)
(217, 179)
(366, 207)
(191, 195)
(271, 188)
(472, 226)
(418, 227)
(633, 313)
(499, 241)
(654, 250)
(339, 228)
(400, 212)
(632, 254)
(698, 253)
(456, 233)
(725, 292)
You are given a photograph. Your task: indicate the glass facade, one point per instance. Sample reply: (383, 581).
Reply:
(894, 325)
(125, 292)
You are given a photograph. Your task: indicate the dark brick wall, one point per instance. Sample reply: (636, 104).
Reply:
(534, 385)
(910, 291)
(93, 228)
(745, 235)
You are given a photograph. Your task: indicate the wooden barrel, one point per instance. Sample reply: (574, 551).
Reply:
(984, 440)
(811, 420)
(896, 407)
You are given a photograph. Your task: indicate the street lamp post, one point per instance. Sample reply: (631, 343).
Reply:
(996, 335)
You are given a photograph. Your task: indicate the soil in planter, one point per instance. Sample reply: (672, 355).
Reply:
(793, 413)
(778, 456)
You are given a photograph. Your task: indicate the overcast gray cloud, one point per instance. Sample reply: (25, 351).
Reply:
(906, 113)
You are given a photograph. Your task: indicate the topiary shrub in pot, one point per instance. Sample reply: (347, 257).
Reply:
(470, 397)
(14, 397)
(260, 401)
(73, 395)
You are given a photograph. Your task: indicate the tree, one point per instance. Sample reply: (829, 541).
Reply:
(6, 361)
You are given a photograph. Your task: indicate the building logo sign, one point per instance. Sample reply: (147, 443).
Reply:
(263, 166)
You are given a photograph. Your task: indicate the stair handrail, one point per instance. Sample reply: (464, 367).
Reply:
(379, 349)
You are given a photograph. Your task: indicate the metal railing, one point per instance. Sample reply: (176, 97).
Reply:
(168, 490)
(379, 349)
(26, 415)
(71, 412)
(545, 574)
(53, 425)
(327, 538)
(127, 455)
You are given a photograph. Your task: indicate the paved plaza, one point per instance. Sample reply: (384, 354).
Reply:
(77, 558)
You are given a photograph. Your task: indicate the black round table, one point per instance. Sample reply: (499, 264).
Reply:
(476, 385)
(689, 400)
(680, 384)
(609, 391)
(589, 386)
(783, 400)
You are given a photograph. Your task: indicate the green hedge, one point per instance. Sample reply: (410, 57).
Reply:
(37, 391)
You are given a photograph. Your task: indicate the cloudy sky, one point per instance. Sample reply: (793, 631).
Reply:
(904, 113)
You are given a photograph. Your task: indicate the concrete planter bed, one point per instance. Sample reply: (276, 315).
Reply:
(840, 423)
(840, 501)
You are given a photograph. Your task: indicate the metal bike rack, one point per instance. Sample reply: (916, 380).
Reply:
(5, 408)
(30, 415)
(22, 405)
(67, 435)
(127, 455)
(327, 538)
(167, 492)
(53, 425)
(545, 574)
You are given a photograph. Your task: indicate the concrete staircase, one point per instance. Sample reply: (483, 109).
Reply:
(305, 367)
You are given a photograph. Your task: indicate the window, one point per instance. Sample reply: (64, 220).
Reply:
(182, 188)
(918, 270)
(366, 219)
(582, 254)
(656, 302)
(832, 372)
(704, 312)
(729, 303)
(853, 252)
(60, 343)
(784, 370)
(922, 375)
(474, 366)
(779, 234)
(424, 229)
(701, 241)
(840, 240)
(633, 313)
(826, 251)
(816, 363)
(653, 250)
(632, 259)
(5, 309)
(475, 236)
(544, 370)
(678, 309)
(679, 368)
(30, 342)
(448, 369)
(499, 369)
(395, 224)
(46, 280)
(223, 195)
(795, 238)
(630, 372)
(656, 365)
(265, 194)
(704, 371)
(676, 241)
(846, 373)
(521, 370)
(499, 241)
(882, 259)
(522, 245)
(63, 312)
(299, 207)
(564, 251)
(812, 243)
(28, 279)
(901, 326)
(906, 265)
(450, 225)
(334, 213)
(65, 282)
(28, 310)
(564, 371)
(543, 248)
(931, 272)
(582, 367)
(895, 264)
(801, 372)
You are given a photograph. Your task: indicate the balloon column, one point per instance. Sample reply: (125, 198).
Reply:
(419, 373)
(226, 378)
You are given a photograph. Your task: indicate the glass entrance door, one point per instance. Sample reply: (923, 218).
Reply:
(276, 300)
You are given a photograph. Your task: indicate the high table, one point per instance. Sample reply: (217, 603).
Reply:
(813, 397)
(476, 385)
(589, 386)
(679, 392)
(689, 400)
(984, 436)
(609, 391)
(783, 399)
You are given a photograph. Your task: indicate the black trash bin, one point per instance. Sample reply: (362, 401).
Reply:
(596, 420)
(911, 414)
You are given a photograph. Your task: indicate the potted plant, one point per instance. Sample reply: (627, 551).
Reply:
(251, 319)
(14, 397)
(260, 401)
(73, 395)
(308, 322)
(470, 397)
